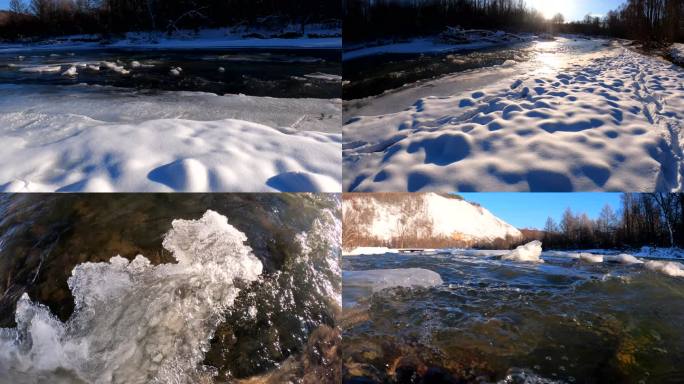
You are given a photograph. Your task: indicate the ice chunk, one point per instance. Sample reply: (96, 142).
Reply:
(368, 251)
(379, 279)
(71, 72)
(41, 68)
(528, 252)
(669, 268)
(135, 322)
(590, 257)
(623, 258)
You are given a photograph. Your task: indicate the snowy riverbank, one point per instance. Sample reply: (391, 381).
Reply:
(605, 120)
(220, 38)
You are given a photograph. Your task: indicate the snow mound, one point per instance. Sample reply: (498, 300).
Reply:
(379, 279)
(669, 268)
(134, 322)
(528, 252)
(174, 155)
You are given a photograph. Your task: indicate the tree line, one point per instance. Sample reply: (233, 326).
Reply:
(643, 219)
(59, 17)
(645, 20)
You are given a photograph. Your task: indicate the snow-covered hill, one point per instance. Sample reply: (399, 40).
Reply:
(420, 220)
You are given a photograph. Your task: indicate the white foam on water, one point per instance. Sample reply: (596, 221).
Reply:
(134, 322)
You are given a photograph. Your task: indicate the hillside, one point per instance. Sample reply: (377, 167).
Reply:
(425, 220)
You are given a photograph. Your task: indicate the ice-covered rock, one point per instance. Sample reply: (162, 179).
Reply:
(590, 257)
(528, 252)
(379, 279)
(623, 258)
(669, 268)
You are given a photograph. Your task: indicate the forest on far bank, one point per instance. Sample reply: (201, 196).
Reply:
(659, 21)
(35, 18)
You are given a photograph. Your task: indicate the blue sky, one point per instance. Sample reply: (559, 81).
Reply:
(4, 4)
(530, 210)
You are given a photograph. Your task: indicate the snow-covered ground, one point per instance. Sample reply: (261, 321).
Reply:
(220, 38)
(568, 120)
(93, 138)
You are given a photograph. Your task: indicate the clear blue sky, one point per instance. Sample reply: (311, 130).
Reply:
(530, 210)
(4, 4)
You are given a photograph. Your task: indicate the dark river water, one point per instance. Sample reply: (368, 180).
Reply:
(276, 73)
(373, 75)
(498, 321)
(44, 237)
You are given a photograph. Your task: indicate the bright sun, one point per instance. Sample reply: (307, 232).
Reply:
(549, 8)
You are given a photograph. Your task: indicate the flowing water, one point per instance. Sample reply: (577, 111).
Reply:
(210, 288)
(491, 320)
(275, 73)
(375, 75)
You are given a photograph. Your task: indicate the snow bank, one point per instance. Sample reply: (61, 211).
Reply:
(369, 251)
(89, 138)
(528, 252)
(134, 322)
(174, 155)
(669, 268)
(436, 44)
(379, 279)
(608, 121)
(221, 38)
(677, 53)
(660, 253)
